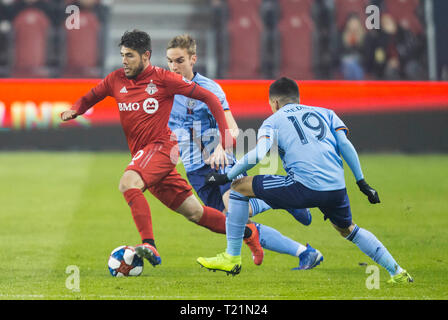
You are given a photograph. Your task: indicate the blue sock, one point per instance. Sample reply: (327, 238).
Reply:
(237, 217)
(258, 206)
(372, 247)
(273, 240)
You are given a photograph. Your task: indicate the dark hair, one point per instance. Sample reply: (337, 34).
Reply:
(136, 40)
(284, 88)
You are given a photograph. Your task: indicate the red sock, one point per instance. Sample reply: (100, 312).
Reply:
(213, 219)
(140, 212)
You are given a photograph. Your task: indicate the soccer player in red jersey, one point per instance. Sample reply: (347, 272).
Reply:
(144, 95)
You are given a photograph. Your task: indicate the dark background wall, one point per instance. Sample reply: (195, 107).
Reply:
(440, 11)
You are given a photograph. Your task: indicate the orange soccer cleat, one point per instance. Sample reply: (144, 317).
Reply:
(253, 242)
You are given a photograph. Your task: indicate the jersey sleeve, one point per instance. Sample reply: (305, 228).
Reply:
(176, 84)
(222, 97)
(336, 123)
(95, 95)
(267, 131)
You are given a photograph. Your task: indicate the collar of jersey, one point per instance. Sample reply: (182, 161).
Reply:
(149, 69)
(194, 75)
(289, 104)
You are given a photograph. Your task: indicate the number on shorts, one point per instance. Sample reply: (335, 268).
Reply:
(137, 156)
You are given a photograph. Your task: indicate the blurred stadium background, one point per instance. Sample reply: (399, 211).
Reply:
(248, 39)
(63, 208)
(387, 83)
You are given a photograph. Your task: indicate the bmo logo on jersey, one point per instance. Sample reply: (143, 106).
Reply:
(150, 106)
(131, 106)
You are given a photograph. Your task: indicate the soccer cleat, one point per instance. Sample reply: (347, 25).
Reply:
(253, 242)
(148, 252)
(301, 215)
(402, 277)
(309, 258)
(222, 262)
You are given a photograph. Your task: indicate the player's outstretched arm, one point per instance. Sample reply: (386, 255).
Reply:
(246, 163)
(350, 156)
(98, 93)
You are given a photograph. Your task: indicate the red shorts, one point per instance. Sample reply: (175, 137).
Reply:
(156, 165)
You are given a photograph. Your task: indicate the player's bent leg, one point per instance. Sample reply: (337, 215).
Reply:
(344, 232)
(204, 216)
(301, 215)
(131, 180)
(225, 200)
(244, 186)
(191, 209)
(372, 247)
(131, 185)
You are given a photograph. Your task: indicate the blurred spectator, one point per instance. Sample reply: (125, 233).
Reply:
(297, 33)
(441, 26)
(45, 6)
(350, 49)
(393, 53)
(5, 38)
(31, 26)
(345, 8)
(325, 40)
(408, 14)
(99, 8)
(244, 29)
(83, 45)
(220, 16)
(6, 9)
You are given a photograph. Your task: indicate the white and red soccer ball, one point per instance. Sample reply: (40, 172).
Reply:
(124, 262)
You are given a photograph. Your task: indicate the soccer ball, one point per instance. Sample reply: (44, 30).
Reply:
(123, 262)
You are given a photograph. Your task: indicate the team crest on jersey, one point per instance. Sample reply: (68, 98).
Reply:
(191, 103)
(151, 88)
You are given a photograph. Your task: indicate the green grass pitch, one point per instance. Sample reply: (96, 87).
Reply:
(64, 209)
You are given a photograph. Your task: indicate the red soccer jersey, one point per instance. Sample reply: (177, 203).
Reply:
(145, 103)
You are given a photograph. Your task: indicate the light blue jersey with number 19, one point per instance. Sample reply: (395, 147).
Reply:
(307, 145)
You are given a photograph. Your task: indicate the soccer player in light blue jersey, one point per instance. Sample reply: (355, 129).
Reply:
(311, 142)
(197, 134)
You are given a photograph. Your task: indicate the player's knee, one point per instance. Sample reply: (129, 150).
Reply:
(238, 185)
(194, 215)
(344, 232)
(124, 186)
(243, 186)
(130, 180)
(191, 209)
(225, 199)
